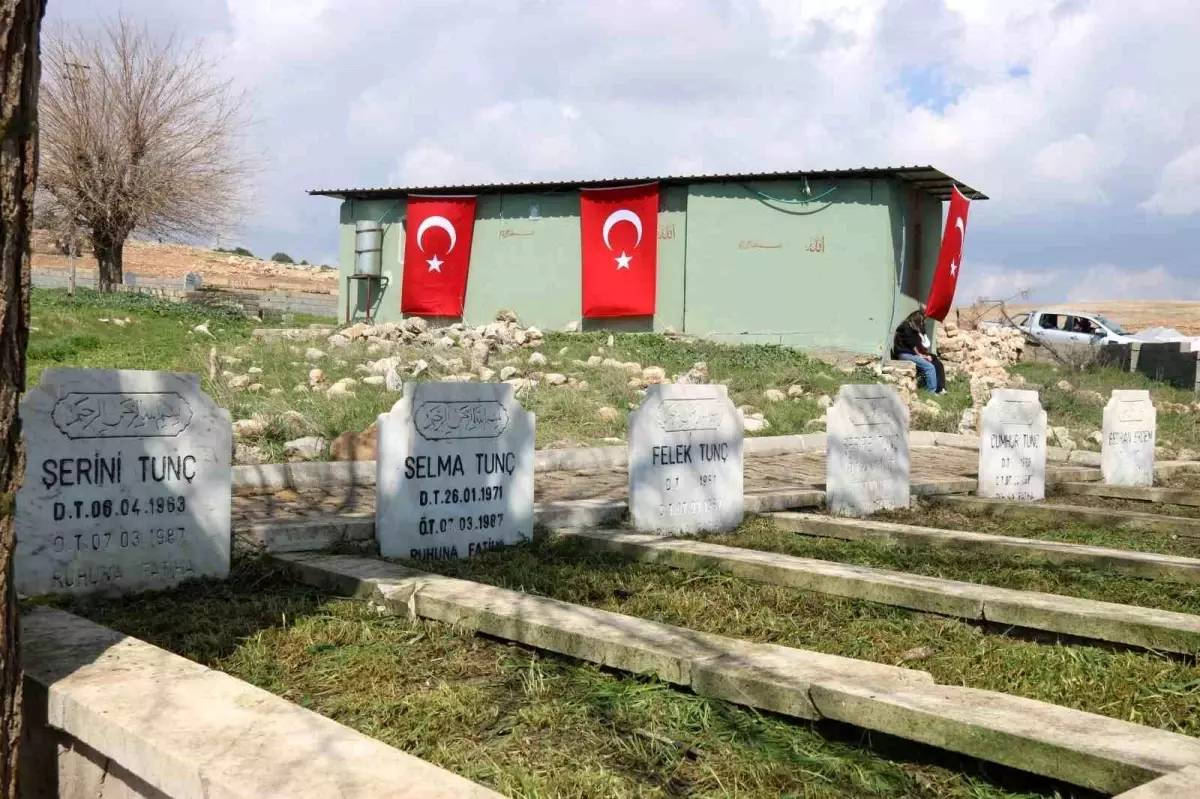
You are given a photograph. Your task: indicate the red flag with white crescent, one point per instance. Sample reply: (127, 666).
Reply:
(949, 262)
(619, 229)
(437, 253)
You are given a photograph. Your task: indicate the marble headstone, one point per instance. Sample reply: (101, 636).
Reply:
(866, 448)
(192, 281)
(1127, 451)
(454, 471)
(685, 461)
(129, 279)
(1012, 446)
(127, 483)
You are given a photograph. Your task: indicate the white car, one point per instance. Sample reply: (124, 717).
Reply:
(1071, 327)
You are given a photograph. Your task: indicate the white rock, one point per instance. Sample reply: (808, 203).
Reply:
(300, 388)
(508, 372)
(249, 428)
(374, 380)
(313, 354)
(795, 391)
(755, 424)
(774, 395)
(338, 340)
(419, 367)
(824, 401)
(594, 360)
(555, 379)
(239, 382)
(338, 391)
(571, 327)
(538, 359)
(229, 360)
(1063, 385)
(254, 370)
(608, 414)
(307, 448)
(247, 455)
(485, 374)
(316, 378)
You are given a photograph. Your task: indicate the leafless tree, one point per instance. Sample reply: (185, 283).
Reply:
(20, 30)
(141, 136)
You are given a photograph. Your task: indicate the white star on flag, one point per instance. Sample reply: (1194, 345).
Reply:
(623, 260)
(435, 265)
(953, 269)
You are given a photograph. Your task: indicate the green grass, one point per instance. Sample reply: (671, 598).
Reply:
(1083, 414)
(986, 569)
(947, 518)
(159, 336)
(526, 724)
(1137, 686)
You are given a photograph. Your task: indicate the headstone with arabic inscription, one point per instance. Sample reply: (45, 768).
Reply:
(127, 483)
(1012, 446)
(192, 281)
(866, 451)
(1127, 449)
(685, 460)
(454, 471)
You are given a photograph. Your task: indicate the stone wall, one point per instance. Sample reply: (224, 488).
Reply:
(978, 352)
(280, 302)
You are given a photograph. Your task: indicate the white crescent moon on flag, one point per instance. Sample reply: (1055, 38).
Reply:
(623, 215)
(436, 221)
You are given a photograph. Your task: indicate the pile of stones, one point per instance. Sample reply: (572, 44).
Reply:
(984, 353)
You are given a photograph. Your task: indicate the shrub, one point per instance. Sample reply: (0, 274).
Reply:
(238, 251)
(282, 258)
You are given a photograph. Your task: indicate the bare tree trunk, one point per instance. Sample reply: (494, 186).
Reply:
(109, 255)
(20, 28)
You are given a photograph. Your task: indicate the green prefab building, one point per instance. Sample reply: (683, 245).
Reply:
(816, 260)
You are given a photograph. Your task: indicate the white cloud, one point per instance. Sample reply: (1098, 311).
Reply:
(1178, 192)
(1109, 282)
(997, 282)
(1047, 112)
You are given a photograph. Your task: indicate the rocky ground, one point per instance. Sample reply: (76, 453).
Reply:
(582, 386)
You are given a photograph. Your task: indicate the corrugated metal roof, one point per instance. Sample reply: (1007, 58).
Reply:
(927, 178)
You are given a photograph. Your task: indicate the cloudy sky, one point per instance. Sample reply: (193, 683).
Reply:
(1079, 118)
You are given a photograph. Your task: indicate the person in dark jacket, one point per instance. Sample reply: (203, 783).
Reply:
(911, 344)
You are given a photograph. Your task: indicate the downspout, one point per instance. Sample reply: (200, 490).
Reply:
(898, 273)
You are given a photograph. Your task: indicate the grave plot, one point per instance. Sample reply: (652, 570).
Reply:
(1118, 683)
(523, 722)
(1078, 529)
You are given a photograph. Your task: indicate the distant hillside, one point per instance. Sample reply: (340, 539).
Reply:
(151, 259)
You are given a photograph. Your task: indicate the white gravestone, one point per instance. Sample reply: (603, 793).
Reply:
(1127, 450)
(1012, 446)
(454, 471)
(127, 483)
(866, 451)
(192, 281)
(685, 461)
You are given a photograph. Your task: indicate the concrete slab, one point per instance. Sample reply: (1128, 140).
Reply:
(1165, 469)
(1092, 751)
(1085, 618)
(1184, 784)
(1075, 474)
(1054, 514)
(194, 733)
(1146, 565)
(1169, 496)
(1081, 748)
(597, 636)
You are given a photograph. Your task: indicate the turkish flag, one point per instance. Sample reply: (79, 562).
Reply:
(619, 229)
(949, 262)
(437, 252)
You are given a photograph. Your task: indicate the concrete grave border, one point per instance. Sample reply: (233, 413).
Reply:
(1132, 625)
(1122, 519)
(1085, 749)
(113, 712)
(1165, 496)
(1146, 565)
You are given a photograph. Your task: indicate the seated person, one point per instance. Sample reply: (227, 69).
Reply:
(911, 344)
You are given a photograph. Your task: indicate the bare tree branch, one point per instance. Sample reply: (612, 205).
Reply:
(139, 136)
